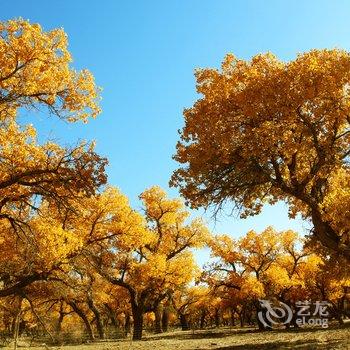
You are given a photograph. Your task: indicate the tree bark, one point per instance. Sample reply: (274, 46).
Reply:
(184, 322)
(158, 319)
(202, 319)
(17, 323)
(242, 317)
(261, 326)
(84, 318)
(22, 283)
(233, 321)
(137, 314)
(58, 329)
(127, 323)
(217, 318)
(96, 312)
(111, 315)
(165, 319)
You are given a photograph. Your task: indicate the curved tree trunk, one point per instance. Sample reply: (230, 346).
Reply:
(84, 318)
(96, 312)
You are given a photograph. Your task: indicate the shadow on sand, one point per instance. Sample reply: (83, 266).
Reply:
(215, 334)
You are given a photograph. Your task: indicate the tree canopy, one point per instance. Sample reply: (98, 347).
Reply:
(265, 130)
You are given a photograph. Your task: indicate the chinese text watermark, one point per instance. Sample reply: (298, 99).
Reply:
(305, 313)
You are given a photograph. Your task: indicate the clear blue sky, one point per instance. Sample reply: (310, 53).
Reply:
(143, 54)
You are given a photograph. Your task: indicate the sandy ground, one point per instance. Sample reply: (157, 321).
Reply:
(226, 339)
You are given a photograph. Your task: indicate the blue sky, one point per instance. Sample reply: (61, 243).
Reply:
(143, 54)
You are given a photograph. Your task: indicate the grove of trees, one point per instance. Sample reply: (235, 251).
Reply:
(74, 251)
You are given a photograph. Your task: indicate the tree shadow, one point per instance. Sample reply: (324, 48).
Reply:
(228, 332)
(203, 334)
(278, 344)
(288, 345)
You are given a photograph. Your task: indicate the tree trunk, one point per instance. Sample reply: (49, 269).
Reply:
(165, 319)
(96, 312)
(202, 320)
(127, 324)
(232, 314)
(137, 315)
(111, 316)
(324, 232)
(17, 323)
(263, 327)
(184, 323)
(249, 317)
(16, 333)
(241, 318)
(158, 320)
(217, 318)
(58, 329)
(84, 318)
(340, 310)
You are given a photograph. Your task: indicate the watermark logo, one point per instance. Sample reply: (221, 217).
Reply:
(305, 313)
(270, 315)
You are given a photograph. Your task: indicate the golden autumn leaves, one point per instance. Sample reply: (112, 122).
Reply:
(274, 266)
(263, 131)
(266, 130)
(38, 179)
(57, 222)
(35, 69)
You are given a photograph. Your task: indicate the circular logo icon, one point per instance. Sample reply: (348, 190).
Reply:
(270, 314)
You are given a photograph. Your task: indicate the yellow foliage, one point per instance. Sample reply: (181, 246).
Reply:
(266, 130)
(40, 61)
